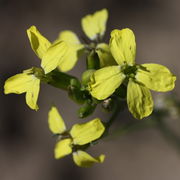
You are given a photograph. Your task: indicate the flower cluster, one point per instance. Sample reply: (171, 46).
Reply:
(72, 141)
(111, 74)
(138, 78)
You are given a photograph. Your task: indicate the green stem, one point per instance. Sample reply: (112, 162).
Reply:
(118, 107)
(59, 79)
(155, 121)
(132, 126)
(169, 134)
(115, 113)
(108, 124)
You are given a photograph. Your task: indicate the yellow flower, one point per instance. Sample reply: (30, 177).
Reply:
(63, 54)
(25, 82)
(94, 25)
(51, 54)
(67, 48)
(39, 43)
(140, 78)
(29, 81)
(72, 140)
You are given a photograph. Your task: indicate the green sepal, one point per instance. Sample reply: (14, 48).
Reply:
(87, 109)
(75, 82)
(76, 94)
(59, 79)
(93, 60)
(86, 76)
(121, 92)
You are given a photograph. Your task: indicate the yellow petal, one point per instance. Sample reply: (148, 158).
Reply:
(54, 56)
(38, 42)
(83, 159)
(156, 77)
(123, 46)
(63, 148)
(69, 37)
(87, 132)
(73, 52)
(24, 82)
(139, 100)
(17, 84)
(32, 93)
(68, 61)
(95, 24)
(105, 81)
(55, 121)
(104, 55)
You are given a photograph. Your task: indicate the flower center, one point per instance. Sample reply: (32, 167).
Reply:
(129, 71)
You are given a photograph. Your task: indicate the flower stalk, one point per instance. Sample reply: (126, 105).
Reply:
(111, 79)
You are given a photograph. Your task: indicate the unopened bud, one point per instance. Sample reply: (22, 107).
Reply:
(87, 109)
(93, 60)
(86, 76)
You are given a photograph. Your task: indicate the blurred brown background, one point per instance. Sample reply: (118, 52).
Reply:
(26, 145)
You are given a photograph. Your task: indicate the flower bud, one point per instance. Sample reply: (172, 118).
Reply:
(93, 60)
(86, 76)
(87, 109)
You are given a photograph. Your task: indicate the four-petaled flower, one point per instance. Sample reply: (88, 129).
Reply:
(52, 52)
(138, 78)
(71, 141)
(63, 53)
(27, 82)
(67, 48)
